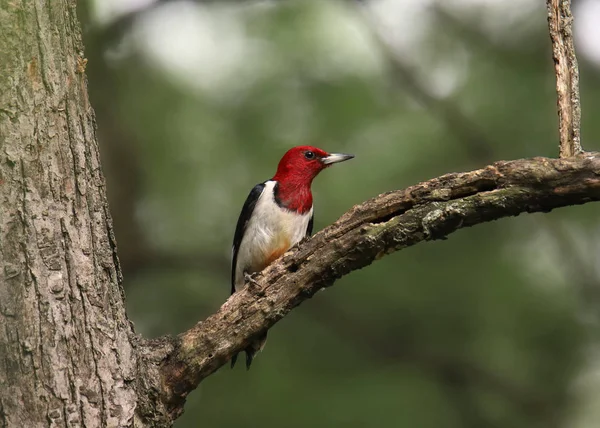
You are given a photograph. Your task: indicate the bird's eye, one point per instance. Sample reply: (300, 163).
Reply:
(309, 155)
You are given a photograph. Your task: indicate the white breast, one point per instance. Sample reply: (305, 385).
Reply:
(271, 230)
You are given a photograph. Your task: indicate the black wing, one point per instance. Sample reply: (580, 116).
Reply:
(242, 223)
(309, 229)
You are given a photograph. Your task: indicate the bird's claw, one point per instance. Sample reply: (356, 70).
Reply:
(252, 283)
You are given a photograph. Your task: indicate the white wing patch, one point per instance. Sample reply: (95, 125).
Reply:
(271, 231)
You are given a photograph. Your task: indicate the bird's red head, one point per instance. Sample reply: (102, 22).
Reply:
(296, 171)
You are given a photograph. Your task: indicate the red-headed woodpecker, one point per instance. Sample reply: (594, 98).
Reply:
(276, 215)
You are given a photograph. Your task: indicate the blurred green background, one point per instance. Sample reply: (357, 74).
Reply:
(197, 101)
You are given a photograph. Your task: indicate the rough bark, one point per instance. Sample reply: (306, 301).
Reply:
(560, 24)
(67, 351)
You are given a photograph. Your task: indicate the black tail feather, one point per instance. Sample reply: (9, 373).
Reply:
(251, 351)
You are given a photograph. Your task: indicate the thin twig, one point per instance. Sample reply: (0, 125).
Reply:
(560, 23)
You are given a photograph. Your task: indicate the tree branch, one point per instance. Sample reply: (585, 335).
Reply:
(387, 223)
(560, 23)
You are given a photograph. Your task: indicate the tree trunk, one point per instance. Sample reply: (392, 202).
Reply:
(68, 355)
(67, 350)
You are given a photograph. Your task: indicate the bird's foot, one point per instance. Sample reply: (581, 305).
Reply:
(253, 285)
(303, 240)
